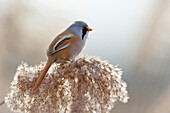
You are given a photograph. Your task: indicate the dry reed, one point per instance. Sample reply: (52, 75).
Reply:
(86, 84)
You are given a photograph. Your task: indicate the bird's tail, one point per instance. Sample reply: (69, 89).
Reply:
(42, 75)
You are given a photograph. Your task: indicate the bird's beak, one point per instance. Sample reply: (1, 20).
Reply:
(90, 29)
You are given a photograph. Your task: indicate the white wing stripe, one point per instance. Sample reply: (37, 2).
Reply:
(66, 36)
(63, 47)
(57, 43)
(62, 38)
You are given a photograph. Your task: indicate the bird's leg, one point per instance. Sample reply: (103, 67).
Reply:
(67, 59)
(55, 60)
(63, 58)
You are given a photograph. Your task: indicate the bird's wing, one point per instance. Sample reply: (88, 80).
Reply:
(62, 43)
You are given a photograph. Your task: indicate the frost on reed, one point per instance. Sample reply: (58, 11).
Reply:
(86, 84)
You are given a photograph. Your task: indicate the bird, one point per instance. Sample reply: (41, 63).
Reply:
(65, 47)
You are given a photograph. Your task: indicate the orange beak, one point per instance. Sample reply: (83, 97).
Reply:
(90, 29)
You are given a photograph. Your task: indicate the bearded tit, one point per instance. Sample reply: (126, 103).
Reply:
(65, 47)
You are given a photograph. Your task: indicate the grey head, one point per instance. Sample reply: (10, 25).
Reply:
(80, 29)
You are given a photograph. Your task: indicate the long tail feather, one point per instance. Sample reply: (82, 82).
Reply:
(42, 75)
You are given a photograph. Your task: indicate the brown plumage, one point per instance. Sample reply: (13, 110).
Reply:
(64, 47)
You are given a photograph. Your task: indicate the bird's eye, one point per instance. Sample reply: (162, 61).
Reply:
(84, 31)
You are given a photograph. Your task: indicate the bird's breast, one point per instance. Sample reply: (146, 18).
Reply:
(77, 47)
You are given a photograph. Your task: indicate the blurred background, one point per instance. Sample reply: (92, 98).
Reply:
(132, 33)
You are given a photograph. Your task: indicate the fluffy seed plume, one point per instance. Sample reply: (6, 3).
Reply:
(86, 84)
